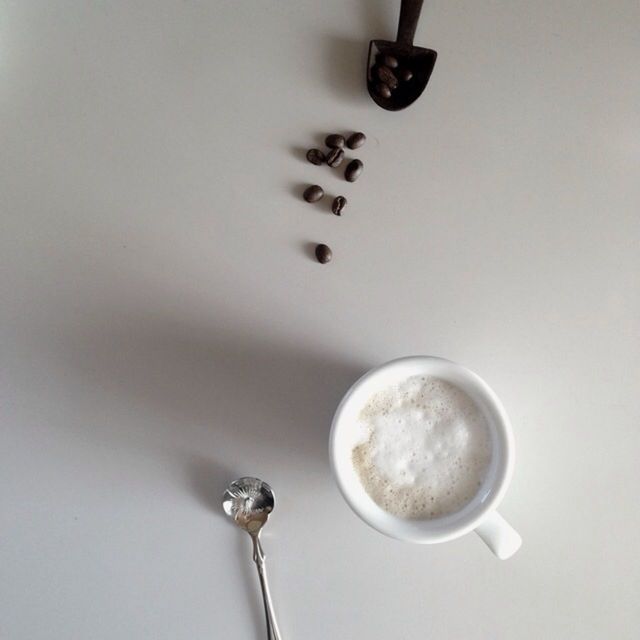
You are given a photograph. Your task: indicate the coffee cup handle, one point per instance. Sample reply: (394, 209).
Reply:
(499, 535)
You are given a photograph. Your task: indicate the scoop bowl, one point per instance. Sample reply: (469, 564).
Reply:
(395, 86)
(419, 60)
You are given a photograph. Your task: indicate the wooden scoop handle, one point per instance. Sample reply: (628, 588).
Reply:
(409, 16)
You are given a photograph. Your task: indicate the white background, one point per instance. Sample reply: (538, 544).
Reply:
(164, 330)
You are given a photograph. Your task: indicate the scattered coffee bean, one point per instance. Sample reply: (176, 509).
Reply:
(356, 140)
(389, 61)
(386, 75)
(313, 193)
(405, 75)
(315, 156)
(339, 203)
(335, 140)
(323, 253)
(353, 170)
(335, 157)
(383, 90)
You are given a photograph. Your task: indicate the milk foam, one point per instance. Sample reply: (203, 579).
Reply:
(426, 451)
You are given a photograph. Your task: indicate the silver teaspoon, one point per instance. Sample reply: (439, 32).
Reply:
(249, 501)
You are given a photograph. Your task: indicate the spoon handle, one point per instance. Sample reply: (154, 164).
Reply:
(273, 633)
(409, 16)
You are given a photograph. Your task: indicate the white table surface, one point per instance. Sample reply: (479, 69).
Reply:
(164, 330)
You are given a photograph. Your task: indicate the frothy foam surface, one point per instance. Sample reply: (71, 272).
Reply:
(426, 451)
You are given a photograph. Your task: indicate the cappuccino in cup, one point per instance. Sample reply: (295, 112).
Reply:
(424, 448)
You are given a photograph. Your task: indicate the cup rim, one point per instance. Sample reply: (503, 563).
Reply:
(499, 487)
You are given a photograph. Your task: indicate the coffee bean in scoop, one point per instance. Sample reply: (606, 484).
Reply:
(335, 157)
(356, 140)
(339, 203)
(335, 140)
(386, 76)
(383, 90)
(387, 60)
(315, 156)
(405, 75)
(313, 193)
(353, 170)
(323, 254)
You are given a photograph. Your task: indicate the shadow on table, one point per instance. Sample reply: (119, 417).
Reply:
(346, 57)
(259, 398)
(208, 480)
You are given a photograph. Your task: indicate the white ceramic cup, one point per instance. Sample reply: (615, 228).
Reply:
(480, 514)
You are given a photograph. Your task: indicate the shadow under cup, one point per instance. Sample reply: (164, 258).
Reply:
(345, 433)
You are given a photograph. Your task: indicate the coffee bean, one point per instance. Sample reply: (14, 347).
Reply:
(315, 156)
(335, 157)
(405, 75)
(335, 140)
(386, 75)
(339, 203)
(389, 61)
(353, 170)
(313, 193)
(323, 253)
(383, 90)
(356, 140)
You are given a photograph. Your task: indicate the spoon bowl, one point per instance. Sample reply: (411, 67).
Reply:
(248, 502)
